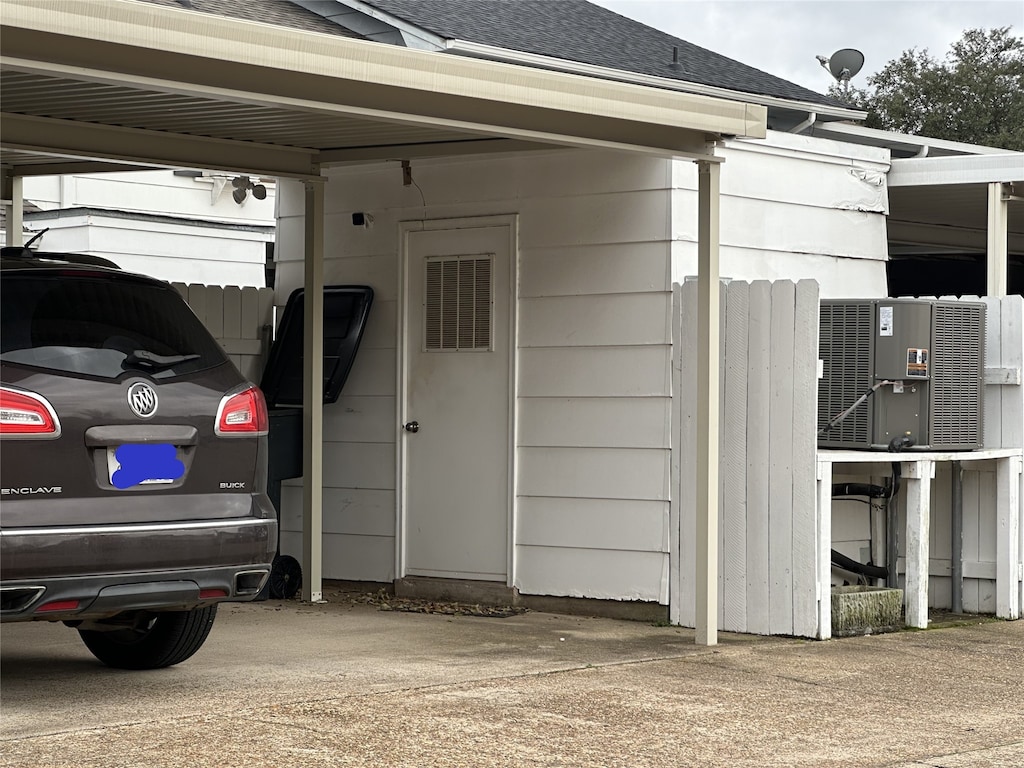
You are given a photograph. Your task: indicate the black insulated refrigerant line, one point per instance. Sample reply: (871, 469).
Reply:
(896, 445)
(889, 491)
(842, 490)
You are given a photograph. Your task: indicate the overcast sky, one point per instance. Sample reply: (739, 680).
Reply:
(783, 36)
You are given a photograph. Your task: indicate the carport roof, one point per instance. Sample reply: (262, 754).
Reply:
(137, 82)
(941, 205)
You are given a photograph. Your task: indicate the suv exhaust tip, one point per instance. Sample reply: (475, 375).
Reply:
(17, 599)
(251, 582)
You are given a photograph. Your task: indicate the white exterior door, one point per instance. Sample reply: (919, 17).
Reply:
(456, 500)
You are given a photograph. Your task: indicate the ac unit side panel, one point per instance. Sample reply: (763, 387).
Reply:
(957, 407)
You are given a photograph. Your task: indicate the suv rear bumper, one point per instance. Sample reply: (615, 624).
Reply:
(100, 597)
(170, 566)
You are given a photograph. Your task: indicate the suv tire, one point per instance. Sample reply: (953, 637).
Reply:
(169, 638)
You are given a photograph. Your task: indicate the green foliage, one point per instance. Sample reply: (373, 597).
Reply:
(975, 95)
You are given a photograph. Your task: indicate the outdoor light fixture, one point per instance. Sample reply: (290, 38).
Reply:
(243, 185)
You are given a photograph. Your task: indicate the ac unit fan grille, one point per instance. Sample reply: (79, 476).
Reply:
(845, 349)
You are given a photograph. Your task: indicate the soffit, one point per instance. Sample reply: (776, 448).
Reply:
(133, 82)
(941, 203)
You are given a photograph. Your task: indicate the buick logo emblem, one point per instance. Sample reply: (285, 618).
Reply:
(142, 399)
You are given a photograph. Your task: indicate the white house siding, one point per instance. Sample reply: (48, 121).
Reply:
(176, 250)
(593, 363)
(601, 236)
(156, 222)
(793, 208)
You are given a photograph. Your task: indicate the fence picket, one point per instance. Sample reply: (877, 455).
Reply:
(232, 312)
(780, 500)
(197, 300)
(215, 311)
(805, 520)
(734, 464)
(758, 453)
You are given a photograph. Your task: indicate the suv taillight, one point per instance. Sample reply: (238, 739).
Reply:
(26, 414)
(243, 414)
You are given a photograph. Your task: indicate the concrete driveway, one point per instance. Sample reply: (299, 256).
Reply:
(345, 684)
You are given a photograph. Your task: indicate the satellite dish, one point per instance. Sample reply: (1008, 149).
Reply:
(845, 64)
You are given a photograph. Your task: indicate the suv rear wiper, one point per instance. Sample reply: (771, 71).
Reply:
(151, 361)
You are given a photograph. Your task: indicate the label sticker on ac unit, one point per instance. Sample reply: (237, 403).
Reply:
(917, 362)
(885, 321)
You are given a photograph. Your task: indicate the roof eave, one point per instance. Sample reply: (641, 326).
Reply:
(507, 55)
(155, 48)
(919, 146)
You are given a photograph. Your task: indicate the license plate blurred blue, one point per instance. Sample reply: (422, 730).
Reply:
(143, 464)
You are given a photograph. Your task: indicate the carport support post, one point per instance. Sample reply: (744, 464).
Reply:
(708, 180)
(313, 395)
(998, 203)
(14, 203)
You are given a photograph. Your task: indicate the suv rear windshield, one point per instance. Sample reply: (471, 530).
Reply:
(98, 325)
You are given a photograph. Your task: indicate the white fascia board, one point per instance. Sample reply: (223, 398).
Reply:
(248, 60)
(905, 141)
(493, 53)
(964, 169)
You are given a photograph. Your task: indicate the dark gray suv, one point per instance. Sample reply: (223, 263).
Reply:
(133, 462)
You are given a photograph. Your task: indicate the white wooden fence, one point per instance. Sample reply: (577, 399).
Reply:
(775, 535)
(769, 553)
(1004, 428)
(1004, 360)
(240, 319)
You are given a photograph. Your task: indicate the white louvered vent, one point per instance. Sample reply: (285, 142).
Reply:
(957, 383)
(458, 304)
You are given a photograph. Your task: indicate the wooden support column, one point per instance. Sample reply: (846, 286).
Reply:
(998, 204)
(708, 301)
(917, 477)
(313, 395)
(1008, 554)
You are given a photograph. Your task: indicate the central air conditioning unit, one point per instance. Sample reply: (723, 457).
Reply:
(913, 367)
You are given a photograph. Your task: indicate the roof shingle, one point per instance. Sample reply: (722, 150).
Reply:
(277, 12)
(580, 31)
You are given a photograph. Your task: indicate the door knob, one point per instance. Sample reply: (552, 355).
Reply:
(412, 426)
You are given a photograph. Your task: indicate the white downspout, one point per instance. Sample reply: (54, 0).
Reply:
(812, 118)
